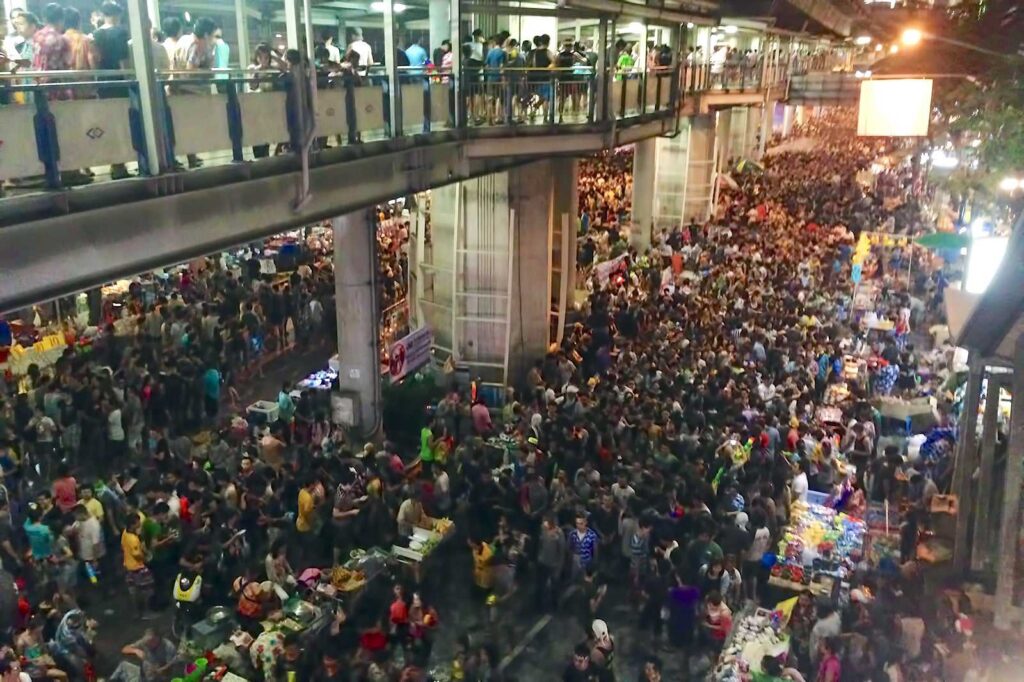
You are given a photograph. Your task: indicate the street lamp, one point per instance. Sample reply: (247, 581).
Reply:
(911, 37)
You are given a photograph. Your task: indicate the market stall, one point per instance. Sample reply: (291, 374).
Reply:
(818, 549)
(755, 633)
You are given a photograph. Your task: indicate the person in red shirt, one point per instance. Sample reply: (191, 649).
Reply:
(65, 489)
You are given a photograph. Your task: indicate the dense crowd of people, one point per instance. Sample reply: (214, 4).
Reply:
(650, 460)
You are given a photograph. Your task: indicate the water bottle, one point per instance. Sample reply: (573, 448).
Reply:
(91, 572)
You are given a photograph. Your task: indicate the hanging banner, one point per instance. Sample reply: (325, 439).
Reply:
(605, 269)
(409, 353)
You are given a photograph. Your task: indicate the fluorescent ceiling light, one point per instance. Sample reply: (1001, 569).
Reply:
(397, 7)
(862, 40)
(730, 29)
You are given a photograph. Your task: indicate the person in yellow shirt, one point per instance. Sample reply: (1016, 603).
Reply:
(307, 520)
(137, 575)
(483, 576)
(91, 504)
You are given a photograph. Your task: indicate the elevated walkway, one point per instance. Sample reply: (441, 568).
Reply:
(61, 239)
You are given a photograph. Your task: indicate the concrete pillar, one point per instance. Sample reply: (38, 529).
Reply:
(564, 233)
(291, 24)
(496, 272)
(966, 461)
(1009, 532)
(670, 179)
(723, 137)
(700, 172)
(767, 121)
(438, 25)
(355, 287)
(645, 163)
(788, 114)
(242, 28)
(981, 542)
(531, 200)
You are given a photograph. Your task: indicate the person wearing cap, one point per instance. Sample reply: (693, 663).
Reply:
(602, 652)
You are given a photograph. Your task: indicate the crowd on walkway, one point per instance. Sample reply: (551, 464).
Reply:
(650, 460)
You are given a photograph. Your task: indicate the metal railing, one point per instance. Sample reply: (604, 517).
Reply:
(61, 128)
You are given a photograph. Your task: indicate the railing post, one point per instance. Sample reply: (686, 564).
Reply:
(234, 111)
(391, 61)
(455, 31)
(47, 145)
(152, 160)
(350, 112)
(553, 96)
(602, 69)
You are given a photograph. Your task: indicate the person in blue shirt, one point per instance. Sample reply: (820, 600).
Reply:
(494, 63)
(583, 543)
(40, 538)
(285, 407)
(211, 391)
(221, 53)
(417, 54)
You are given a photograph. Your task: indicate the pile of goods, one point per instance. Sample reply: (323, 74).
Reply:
(821, 539)
(754, 636)
(346, 580)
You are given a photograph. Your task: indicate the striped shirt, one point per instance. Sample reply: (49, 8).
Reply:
(583, 546)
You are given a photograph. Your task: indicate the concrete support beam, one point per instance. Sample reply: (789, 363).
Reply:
(242, 28)
(645, 165)
(700, 168)
(788, 116)
(1009, 532)
(439, 27)
(531, 200)
(981, 542)
(966, 462)
(291, 24)
(355, 287)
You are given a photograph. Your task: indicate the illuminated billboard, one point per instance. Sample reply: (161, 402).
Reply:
(895, 108)
(983, 259)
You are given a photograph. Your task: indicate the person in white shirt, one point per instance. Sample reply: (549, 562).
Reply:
(333, 53)
(172, 32)
(90, 535)
(800, 483)
(622, 491)
(363, 49)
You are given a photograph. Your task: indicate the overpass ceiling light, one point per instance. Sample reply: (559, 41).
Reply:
(862, 40)
(689, 24)
(878, 47)
(893, 49)
(397, 7)
(730, 29)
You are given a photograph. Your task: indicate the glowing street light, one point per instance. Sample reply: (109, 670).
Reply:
(911, 37)
(862, 40)
(1009, 184)
(894, 48)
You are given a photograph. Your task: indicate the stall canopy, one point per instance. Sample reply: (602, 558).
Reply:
(944, 240)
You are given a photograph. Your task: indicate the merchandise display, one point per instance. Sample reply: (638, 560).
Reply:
(755, 634)
(819, 540)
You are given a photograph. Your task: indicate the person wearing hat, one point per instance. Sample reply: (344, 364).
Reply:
(602, 653)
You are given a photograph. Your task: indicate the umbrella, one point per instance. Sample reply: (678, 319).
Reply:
(943, 240)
